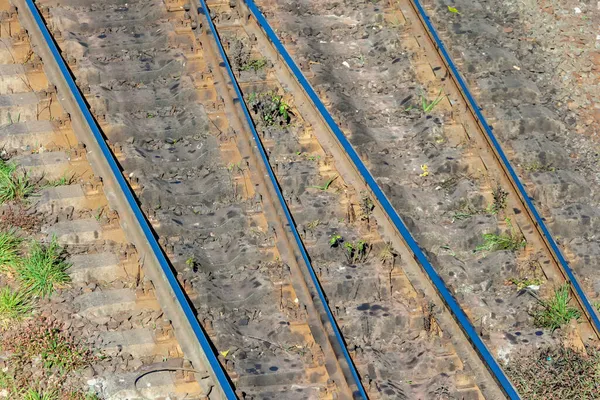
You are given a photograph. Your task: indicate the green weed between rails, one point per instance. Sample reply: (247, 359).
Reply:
(13, 186)
(499, 203)
(44, 269)
(255, 64)
(14, 305)
(556, 373)
(387, 255)
(326, 185)
(271, 107)
(357, 253)
(335, 240)
(62, 181)
(556, 311)
(494, 242)
(426, 105)
(523, 283)
(9, 251)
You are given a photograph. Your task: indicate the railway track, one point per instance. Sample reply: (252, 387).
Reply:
(107, 110)
(338, 27)
(110, 304)
(297, 267)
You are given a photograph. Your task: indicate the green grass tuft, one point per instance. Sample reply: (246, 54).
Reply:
(13, 186)
(255, 64)
(512, 241)
(44, 269)
(14, 305)
(33, 394)
(494, 242)
(62, 181)
(9, 251)
(556, 311)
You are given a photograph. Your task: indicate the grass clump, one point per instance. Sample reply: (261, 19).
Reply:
(512, 241)
(495, 242)
(57, 350)
(556, 373)
(387, 255)
(44, 269)
(34, 394)
(14, 305)
(271, 108)
(556, 311)
(42, 360)
(13, 186)
(9, 251)
(62, 181)
(255, 64)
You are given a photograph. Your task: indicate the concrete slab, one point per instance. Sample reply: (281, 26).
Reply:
(101, 267)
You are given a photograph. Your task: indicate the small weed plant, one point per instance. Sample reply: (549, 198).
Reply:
(366, 207)
(255, 64)
(326, 185)
(357, 252)
(465, 211)
(556, 311)
(499, 203)
(62, 181)
(335, 240)
(53, 347)
(14, 305)
(387, 254)
(312, 225)
(537, 166)
(34, 394)
(9, 251)
(271, 108)
(426, 105)
(12, 121)
(523, 283)
(512, 241)
(13, 185)
(44, 269)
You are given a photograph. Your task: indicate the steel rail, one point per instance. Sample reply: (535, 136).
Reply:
(288, 215)
(389, 210)
(538, 221)
(217, 370)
